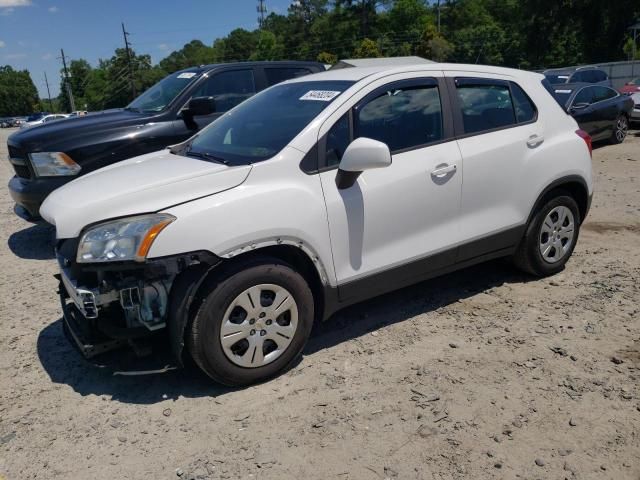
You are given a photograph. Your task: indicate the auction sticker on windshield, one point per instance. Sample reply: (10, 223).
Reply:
(320, 95)
(187, 75)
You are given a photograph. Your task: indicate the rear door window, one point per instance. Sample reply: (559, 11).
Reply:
(277, 75)
(603, 93)
(485, 105)
(228, 88)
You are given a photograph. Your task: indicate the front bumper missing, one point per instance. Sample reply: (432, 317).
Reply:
(145, 307)
(84, 339)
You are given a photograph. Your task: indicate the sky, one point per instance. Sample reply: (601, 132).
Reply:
(32, 32)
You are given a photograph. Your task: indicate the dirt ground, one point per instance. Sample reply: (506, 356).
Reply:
(484, 373)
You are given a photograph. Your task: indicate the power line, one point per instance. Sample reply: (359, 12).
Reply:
(125, 34)
(48, 91)
(262, 9)
(67, 82)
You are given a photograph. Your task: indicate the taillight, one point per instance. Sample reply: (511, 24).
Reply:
(587, 139)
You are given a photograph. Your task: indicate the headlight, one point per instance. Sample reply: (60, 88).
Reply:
(120, 240)
(53, 164)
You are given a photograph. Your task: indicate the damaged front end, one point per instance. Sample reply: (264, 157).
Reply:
(113, 305)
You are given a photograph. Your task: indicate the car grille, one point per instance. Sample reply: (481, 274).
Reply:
(19, 161)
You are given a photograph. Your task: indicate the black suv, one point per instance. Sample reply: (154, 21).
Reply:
(579, 75)
(48, 156)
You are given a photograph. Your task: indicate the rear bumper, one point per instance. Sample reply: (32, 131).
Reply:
(28, 194)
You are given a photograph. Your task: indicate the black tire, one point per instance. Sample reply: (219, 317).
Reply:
(203, 338)
(620, 130)
(528, 257)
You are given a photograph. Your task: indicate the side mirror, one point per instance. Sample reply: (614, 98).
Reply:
(201, 106)
(361, 154)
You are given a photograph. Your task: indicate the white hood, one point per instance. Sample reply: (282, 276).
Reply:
(144, 184)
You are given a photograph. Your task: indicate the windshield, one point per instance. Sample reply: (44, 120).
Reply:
(162, 93)
(263, 125)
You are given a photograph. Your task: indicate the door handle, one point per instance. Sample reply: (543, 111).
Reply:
(535, 141)
(444, 170)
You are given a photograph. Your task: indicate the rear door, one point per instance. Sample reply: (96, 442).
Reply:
(606, 109)
(498, 132)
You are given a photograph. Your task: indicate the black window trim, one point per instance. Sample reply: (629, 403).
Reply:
(594, 85)
(319, 150)
(453, 83)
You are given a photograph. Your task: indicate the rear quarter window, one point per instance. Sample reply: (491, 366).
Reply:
(526, 110)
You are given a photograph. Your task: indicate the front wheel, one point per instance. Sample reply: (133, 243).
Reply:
(252, 324)
(620, 130)
(550, 237)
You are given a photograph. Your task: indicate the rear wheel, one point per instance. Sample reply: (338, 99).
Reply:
(252, 324)
(550, 237)
(620, 130)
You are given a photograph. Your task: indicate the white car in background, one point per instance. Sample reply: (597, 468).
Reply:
(315, 194)
(635, 113)
(46, 119)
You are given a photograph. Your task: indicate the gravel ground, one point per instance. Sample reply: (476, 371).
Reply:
(484, 373)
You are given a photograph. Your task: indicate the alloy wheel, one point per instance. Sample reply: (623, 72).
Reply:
(622, 127)
(259, 325)
(557, 234)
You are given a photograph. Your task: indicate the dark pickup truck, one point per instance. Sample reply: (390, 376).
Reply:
(48, 156)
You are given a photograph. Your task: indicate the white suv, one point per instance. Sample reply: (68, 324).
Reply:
(315, 194)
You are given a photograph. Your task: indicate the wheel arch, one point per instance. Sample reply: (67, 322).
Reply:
(575, 185)
(187, 291)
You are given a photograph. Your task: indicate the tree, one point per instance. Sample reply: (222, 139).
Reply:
(367, 49)
(629, 49)
(193, 53)
(18, 94)
(326, 57)
(268, 47)
(79, 75)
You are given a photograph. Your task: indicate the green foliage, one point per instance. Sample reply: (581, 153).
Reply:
(367, 49)
(628, 49)
(531, 34)
(18, 94)
(327, 58)
(110, 84)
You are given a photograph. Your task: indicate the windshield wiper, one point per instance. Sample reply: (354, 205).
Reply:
(132, 109)
(206, 156)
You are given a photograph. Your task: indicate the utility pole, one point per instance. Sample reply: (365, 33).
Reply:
(67, 83)
(261, 9)
(125, 34)
(48, 92)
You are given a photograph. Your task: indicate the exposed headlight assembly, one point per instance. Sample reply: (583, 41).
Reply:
(53, 164)
(120, 240)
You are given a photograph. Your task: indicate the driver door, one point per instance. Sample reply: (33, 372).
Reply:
(397, 223)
